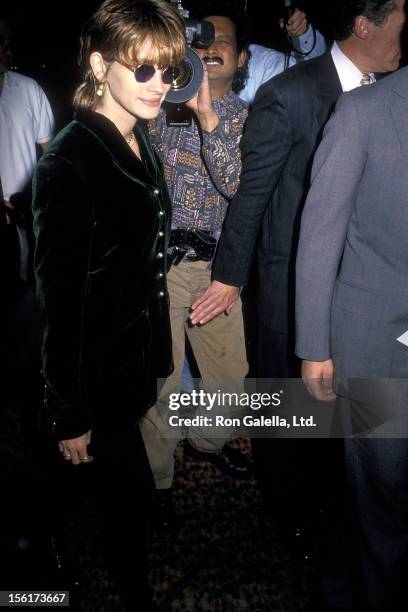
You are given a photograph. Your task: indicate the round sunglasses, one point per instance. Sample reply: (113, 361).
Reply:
(145, 72)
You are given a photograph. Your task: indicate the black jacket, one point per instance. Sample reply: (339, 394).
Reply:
(101, 221)
(282, 132)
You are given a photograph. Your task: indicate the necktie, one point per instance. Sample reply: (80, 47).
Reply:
(365, 79)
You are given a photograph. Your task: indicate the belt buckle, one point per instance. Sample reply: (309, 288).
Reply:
(193, 257)
(177, 255)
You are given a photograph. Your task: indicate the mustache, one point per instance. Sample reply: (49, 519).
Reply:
(213, 59)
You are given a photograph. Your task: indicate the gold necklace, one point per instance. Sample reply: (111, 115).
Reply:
(131, 140)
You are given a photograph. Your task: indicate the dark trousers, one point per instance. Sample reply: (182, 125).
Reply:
(377, 475)
(276, 354)
(301, 477)
(118, 487)
(20, 345)
(295, 475)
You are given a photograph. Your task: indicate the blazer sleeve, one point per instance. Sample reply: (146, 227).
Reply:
(63, 229)
(266, 145)
(337, 171)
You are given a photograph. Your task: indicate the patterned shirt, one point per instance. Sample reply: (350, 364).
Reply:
(202, 168)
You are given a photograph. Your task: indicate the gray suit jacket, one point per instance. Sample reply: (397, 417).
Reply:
(352, 264)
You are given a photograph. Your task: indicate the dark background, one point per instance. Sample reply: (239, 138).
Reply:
(46, 38)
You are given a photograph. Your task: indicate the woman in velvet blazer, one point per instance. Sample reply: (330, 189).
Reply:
(101, 220)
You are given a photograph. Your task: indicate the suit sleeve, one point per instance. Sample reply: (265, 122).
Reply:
(336, 174)
(266, 145)
(63, 227)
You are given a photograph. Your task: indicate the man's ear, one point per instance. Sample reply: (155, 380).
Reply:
(98, 65)
(362, 27)
(242, 58)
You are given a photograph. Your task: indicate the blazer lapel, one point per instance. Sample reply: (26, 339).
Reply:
(146, 150)
(114, 143)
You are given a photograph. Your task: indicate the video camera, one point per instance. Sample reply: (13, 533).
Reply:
(199, 34)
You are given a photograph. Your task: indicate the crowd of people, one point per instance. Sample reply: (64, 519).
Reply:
(137, 238)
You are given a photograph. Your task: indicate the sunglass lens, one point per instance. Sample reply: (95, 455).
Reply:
(170, 74)
(144, 73)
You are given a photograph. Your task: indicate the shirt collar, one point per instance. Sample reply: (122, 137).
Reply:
(350, 76)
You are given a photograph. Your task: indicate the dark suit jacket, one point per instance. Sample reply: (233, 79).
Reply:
(102, 220)
(283, 130)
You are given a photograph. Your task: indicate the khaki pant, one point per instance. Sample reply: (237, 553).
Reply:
(219, 350)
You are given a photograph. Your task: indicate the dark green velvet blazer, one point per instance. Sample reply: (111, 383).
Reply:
(101, 221)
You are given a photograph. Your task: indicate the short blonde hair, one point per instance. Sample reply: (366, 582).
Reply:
(119, 29)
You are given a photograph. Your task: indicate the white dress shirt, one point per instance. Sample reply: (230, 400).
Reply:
(350, 76)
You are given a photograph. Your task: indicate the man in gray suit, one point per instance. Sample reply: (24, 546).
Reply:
(351, 316)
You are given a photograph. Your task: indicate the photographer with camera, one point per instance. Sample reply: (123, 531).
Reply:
(264, 63)
(202, 166)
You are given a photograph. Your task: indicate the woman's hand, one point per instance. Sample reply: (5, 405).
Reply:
(75, 450)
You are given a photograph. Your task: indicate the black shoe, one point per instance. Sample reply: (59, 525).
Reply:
(228, 460)
(164, 512)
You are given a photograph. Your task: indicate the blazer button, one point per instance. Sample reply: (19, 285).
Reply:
(156, 191)
(160, 275)
(161, 213)
(161, 234)
(160, 255)
(161, 294)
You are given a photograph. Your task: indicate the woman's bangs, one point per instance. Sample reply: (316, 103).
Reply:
(158, 48)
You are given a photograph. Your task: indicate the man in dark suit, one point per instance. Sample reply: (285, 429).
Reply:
(282, 133)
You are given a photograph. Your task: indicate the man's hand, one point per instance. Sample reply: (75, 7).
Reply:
(216, 299)
(297, 24)
(202, 105)
(75, 450)
(318, 378)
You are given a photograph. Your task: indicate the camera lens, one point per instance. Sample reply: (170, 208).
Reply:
(184, 77)
(190, 77)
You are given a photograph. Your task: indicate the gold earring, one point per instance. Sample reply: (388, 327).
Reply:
(100, 89)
